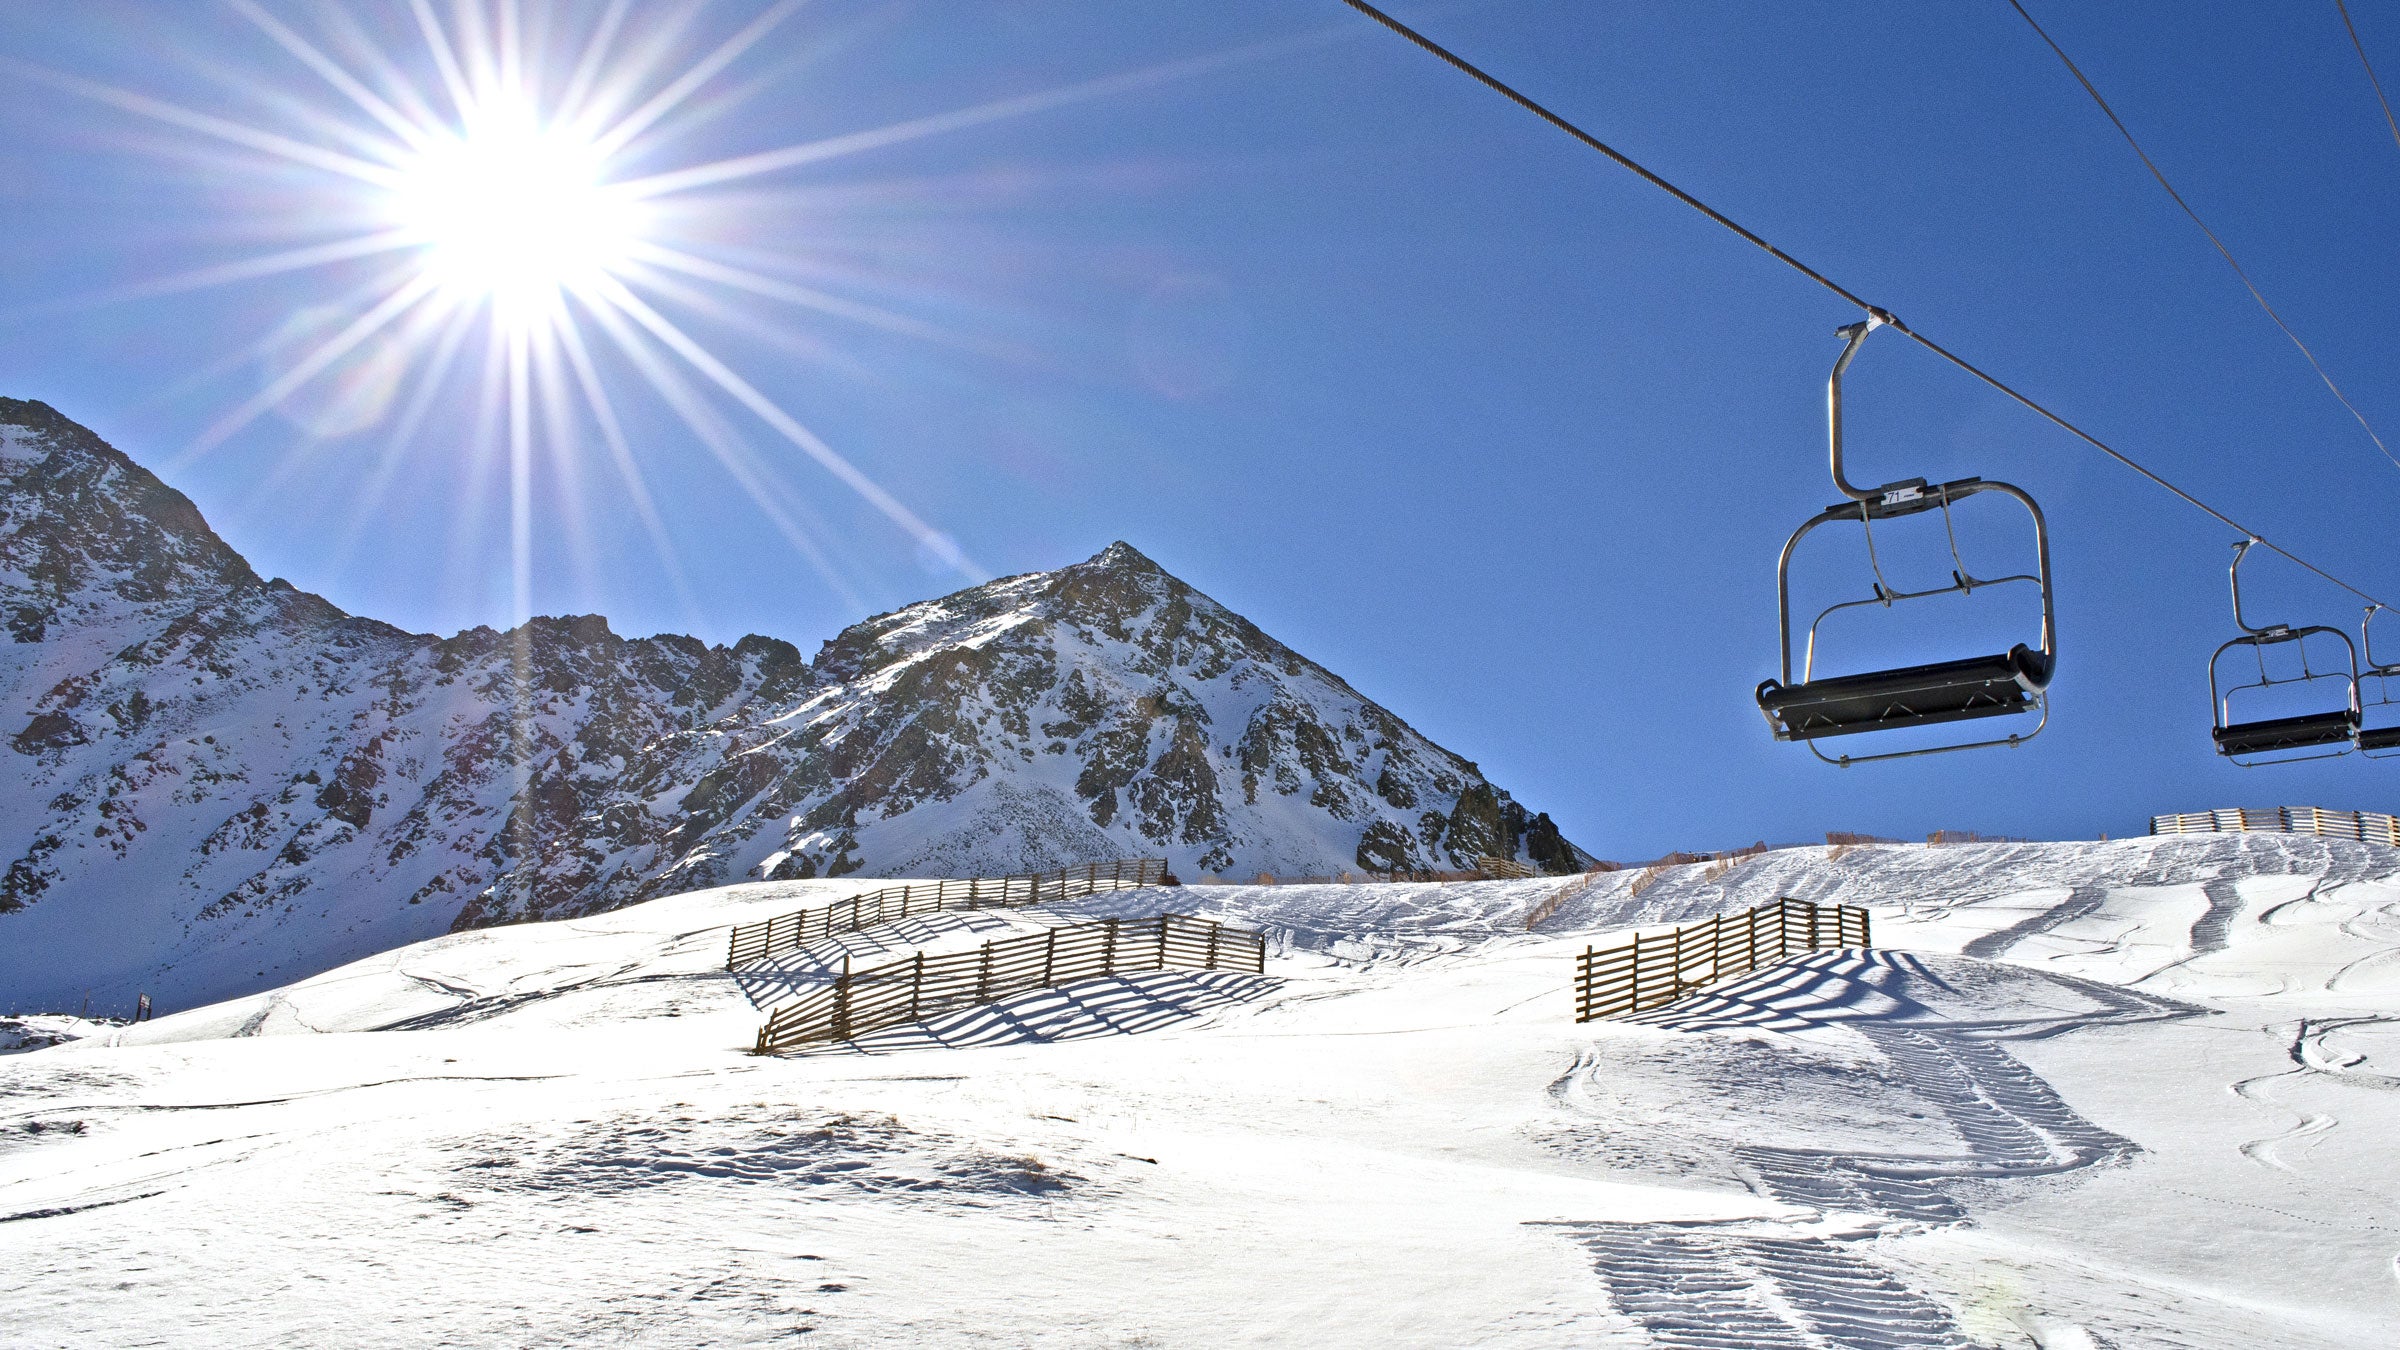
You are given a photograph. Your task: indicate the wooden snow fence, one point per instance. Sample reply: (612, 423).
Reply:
(1648, 970)
(2372, 827)
(917, 987)
(790, 932)
(1504, 869)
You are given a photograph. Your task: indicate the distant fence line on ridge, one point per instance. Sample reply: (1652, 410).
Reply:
(790, 932)
(914, 988)
(2373, 827)
(1646, 971)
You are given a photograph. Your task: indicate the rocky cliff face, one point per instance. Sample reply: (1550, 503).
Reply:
(219, 781)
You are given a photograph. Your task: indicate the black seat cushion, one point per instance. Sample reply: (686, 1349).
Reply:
(2286, 733)
(1885, 700)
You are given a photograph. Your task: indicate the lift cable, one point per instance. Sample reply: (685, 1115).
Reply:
(2369, 66)
(2222, 251)
(1885, 316)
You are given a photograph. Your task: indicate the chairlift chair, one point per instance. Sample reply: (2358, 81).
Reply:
(2322, 735)
(2014, 681)
(2375, 742)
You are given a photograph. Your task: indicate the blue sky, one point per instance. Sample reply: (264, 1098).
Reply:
(1480, 421)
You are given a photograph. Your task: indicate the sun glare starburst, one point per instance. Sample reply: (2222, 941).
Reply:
(524, 170)
(512, 211)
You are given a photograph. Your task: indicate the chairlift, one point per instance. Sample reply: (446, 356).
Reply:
(2375, 742)
(2324, 735)
(2014, 681)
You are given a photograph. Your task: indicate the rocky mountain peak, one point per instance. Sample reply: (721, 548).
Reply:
(214, 782)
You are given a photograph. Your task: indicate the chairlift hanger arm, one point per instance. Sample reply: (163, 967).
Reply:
(1854, 334)
(2233, 577)
(2366, 642)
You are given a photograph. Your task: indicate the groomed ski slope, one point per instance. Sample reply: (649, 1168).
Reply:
(2124, 1094)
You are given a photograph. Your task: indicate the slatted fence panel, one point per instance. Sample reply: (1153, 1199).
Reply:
(1651, 969)
(790, 932)
(2373, 827)
(914, 988)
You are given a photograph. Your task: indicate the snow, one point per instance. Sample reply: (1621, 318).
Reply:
(21, 445)
(2128, 1094)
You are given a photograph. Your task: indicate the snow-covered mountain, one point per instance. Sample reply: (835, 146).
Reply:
(220, 782)
(2089, 1096)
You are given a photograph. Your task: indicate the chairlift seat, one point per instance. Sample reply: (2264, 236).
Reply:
(2379, 738)
(2287, 733)
(1911, 696)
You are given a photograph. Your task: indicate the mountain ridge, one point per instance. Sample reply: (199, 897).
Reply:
(219, 772)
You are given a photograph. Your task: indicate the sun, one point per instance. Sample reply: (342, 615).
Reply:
(511, 212)
(527, 175)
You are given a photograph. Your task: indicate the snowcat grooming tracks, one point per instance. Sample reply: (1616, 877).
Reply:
(919, 986)
(790, 932)
(1645, 972)
(2014, 681)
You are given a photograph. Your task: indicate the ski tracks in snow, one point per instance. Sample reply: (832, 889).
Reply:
(2081, 900)
(1717, 1287)
(1759, 1284)
(2014, 1124)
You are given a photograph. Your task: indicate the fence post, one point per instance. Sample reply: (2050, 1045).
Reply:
(1633, 992)
(1108, 958)
(1812, 926)
(916, 985)
(1162, 942)
(841, 1002)
(1674, 963)
(983, 976)
(1049, 956)
(1213, 930)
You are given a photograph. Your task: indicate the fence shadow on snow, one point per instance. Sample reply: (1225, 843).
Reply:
(921, 987)
(777, 979)
(1107, 1005)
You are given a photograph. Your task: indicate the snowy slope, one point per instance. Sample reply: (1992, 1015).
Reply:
(215, 783)
(2130, 1094)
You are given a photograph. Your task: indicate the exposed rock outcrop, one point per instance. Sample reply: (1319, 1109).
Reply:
(215, 781)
